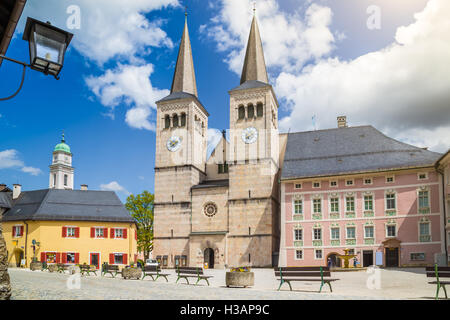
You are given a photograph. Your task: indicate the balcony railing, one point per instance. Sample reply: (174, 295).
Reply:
(350, 242)
(317, 243)
(369, 241)
(298, 243)
(424, 210)
(335, 243)
(317, 216)
(368, 213)
(350, 214)
(335, 215)
(425, 238)
(391, 212)
(298, 217)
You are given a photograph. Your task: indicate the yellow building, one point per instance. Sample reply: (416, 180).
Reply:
(62, 225)
(68, 226)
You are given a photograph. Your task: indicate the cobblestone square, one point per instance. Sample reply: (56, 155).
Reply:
(395, 284)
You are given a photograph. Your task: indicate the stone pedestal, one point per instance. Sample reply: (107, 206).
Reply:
(132, 273)
(240, 279)
(5, 286)
(36, 266)
(52, 268)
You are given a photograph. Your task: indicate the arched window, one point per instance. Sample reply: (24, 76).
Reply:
(259, 110)
(65, 180)
(167, 122)
(175, 120)
(183, 119)
(251, 111)
(241, 112)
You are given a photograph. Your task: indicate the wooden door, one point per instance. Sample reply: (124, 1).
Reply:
(392, 257)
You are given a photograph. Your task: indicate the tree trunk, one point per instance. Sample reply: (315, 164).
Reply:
(5, 286)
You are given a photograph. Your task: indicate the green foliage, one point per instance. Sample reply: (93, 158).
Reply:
(141, 209)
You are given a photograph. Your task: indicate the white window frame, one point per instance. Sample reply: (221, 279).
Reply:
(315, 254)
(331, 233)
(346, 232)
(364, 201)
(424, 256)
(387, 228)
(103, 232)
(367, 184)
(373, 231)
(67, 254)
(67, 231)
(429, 229)
(296, 186)
(314, 234)
(331, 185)
(313, 184)
(313, 206)
(295, 254)
(20, 229)
(421, 173)
(118, 253)
(295, 234)
(418, 198)
(293, 206)
(354, 203)
(390, 176)
(386, 200)
(352, 182)
(330, 204)
(115, 233)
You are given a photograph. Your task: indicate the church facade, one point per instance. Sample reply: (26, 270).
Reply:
(264, 198)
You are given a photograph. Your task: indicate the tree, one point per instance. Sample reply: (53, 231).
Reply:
(141, 209)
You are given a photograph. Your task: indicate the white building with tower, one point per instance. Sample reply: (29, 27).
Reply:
(61, 170)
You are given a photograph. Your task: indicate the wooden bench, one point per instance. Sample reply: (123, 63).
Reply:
(153, 271)
(87, 269)
(63, 267)
(111, 269)
(188, 272)
(289, 274)
(439, 272)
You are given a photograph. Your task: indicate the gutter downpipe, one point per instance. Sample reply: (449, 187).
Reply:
(26, 243)
(441, 172)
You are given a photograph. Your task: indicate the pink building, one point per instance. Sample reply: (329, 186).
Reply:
(355, 188)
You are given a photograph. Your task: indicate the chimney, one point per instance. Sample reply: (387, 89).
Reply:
(342, 122)
(17, 189)
(84, 187)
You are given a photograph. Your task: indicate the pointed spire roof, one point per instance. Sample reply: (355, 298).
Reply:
(184, 76)
(254, 65)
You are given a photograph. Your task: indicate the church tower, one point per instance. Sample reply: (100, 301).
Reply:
(254, 162)
(61, 170)
(181, 143)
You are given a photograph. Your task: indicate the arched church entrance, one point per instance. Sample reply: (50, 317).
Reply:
(209, 257)
(335, 261)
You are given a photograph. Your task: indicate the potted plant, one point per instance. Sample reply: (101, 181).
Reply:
(240, 277)
(131, 272)
(35, 264)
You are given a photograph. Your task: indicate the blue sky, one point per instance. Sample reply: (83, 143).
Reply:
(120, 44)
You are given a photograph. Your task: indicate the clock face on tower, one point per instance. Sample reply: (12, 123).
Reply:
(173, 144)
(249, 135)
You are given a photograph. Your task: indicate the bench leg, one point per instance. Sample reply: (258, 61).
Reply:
(445, 291)
(437, 292)
(329, 284)
(165, 277)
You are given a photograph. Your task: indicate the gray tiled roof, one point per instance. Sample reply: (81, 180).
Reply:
(212, 184)
(251, 84)
(5, 200)
(68, 205)
(349, 150)
(183, 95)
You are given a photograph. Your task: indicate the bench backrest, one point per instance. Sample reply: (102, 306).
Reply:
(152, 268)
(289, 272)
(111, 267)
(435, 272)
(190, 270)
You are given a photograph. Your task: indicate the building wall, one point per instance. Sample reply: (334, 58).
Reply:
(49, 235)
(406, 217)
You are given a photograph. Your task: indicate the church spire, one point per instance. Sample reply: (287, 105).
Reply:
(254, 64)
(184, 76)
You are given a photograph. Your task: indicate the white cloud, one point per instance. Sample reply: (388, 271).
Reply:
(116, 30)
(109, 28)
(114, 186)
(9, 159)
(32, 171)
(129, 85)
(289, 39)
(403, 89)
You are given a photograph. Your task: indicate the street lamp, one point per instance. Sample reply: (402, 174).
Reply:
(47, 45)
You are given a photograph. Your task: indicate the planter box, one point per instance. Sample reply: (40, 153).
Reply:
(52, 268)
(36, 266)
(132, 273)
(240, 279)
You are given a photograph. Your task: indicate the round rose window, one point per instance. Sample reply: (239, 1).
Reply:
(210, 209)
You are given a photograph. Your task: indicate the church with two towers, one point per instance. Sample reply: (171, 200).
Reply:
(223, 211)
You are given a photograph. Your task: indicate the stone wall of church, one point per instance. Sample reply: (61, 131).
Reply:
(203, 203)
